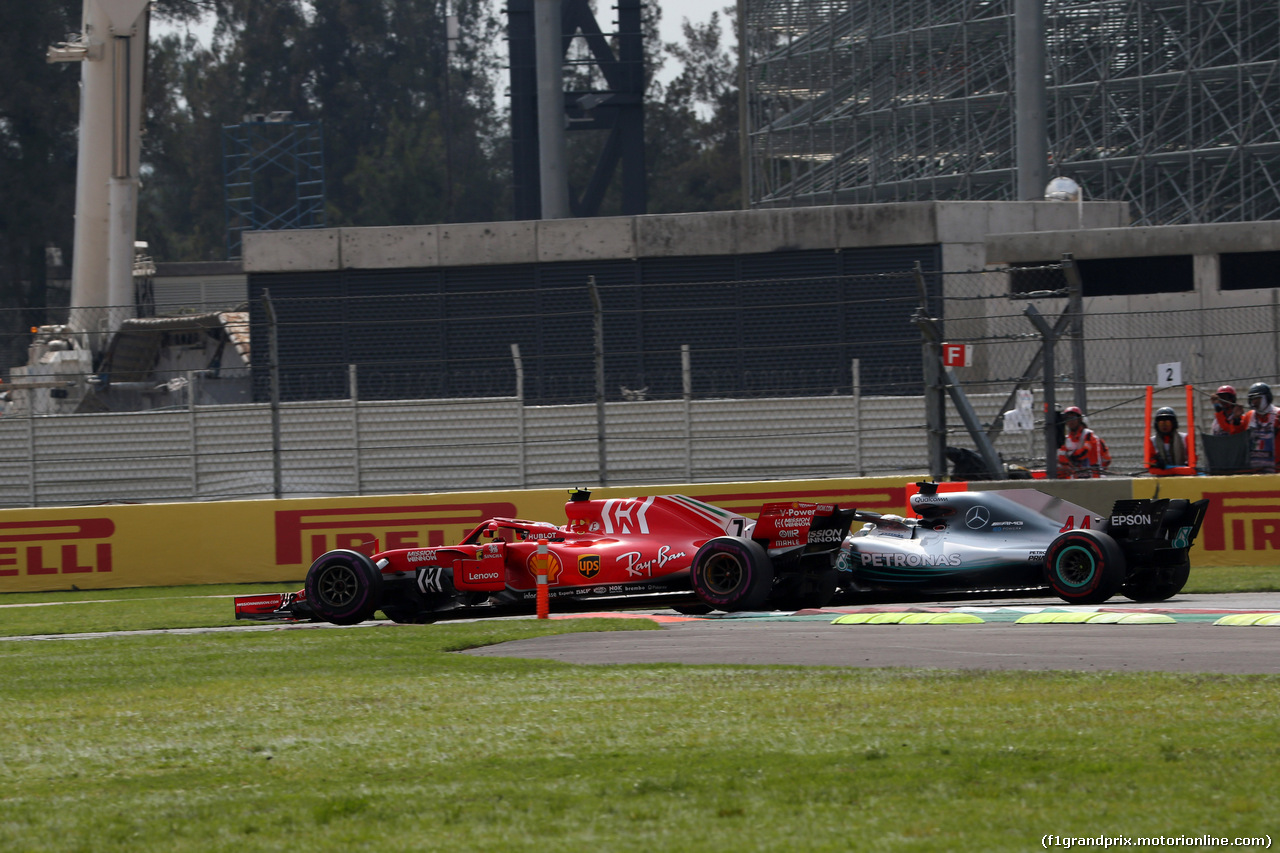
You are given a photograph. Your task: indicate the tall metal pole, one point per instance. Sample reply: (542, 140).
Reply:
(597, 324)
(1030, 117)
(744, 118)
(1075, 311)
(686, 382)
(273, 367)
(1050, 398)
(552, 158)
(519, 363)
(353, 387)
(935, 394)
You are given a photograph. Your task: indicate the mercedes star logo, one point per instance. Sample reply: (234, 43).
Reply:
(977, 517)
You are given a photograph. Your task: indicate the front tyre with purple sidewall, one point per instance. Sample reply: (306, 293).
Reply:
(729, 573)
(344, 587)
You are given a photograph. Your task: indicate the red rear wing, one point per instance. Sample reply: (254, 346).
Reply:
(786, 525)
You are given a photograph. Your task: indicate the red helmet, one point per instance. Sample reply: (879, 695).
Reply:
(1228, 392)
(1072, 410)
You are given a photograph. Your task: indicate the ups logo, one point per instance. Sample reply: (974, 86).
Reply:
(589, 565)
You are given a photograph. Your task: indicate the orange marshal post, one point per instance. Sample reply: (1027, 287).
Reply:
(540, 561)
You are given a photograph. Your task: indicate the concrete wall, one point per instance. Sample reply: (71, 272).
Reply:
(1146, 241)
(960, 227)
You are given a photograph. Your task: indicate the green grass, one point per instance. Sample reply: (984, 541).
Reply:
(90, 611)
(1233, 579)
(380, 738)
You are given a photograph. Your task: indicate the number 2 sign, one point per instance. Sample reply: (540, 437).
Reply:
(1168, 375)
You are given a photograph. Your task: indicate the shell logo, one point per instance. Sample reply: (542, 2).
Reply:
(552, 569)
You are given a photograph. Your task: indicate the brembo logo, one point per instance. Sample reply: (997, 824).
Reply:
(302, 535)
(65, 547)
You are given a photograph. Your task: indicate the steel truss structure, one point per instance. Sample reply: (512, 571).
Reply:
(1170, 105)
(272, 176)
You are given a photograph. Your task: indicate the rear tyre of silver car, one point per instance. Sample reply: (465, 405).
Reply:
(729, 573)
(1084, 566)
(344, 587)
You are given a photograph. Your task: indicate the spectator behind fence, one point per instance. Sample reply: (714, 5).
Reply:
(1083, 453)
(1168, 446)
(1227, 413)
(1259, 422)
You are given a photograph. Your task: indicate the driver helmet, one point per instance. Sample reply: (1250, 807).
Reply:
(1259, 396)
(1165, 413)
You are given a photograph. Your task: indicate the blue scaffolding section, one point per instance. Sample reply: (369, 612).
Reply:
(273, 176)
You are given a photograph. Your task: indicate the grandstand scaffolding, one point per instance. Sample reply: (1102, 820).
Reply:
(1170, 105)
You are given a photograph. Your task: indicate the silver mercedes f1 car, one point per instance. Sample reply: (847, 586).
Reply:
(1022, 539)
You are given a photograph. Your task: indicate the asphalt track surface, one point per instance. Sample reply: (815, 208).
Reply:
(1191, 643)
(1194, 641)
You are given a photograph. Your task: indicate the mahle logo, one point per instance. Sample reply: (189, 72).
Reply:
(589, 565)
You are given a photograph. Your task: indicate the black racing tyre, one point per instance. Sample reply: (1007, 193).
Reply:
(344, 587)
(1158, 584)
(1084, 566)
(729, 573)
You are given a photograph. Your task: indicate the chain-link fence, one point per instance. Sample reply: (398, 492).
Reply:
(763, 336)
(1105, 352)
(591, 382)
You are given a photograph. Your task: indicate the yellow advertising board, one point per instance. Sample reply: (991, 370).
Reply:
(1242, 526)
(103, 547)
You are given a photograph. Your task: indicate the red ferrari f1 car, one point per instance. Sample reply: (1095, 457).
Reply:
(609, 547)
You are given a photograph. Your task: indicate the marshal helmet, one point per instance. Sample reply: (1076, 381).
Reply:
(1165, 413)
(1259, 391)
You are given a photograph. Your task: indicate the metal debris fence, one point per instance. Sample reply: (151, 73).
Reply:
(1109, 350)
